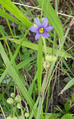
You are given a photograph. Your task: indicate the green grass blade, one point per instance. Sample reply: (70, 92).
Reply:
(66, 72)
(16, 12)
(7, 16)
(68, 68)
(34, 108)
(25, 62)
(32, 84)
(39, 109)
(33, 46)
(16, 78)
(12, 60)
(69, 84)
(52, 17)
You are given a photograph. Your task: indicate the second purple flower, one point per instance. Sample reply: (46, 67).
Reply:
(41, 29)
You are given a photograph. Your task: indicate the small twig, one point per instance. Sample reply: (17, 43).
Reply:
(65, 15)
(45, 49)
(41, 9)
(70, 48)
(27, 6)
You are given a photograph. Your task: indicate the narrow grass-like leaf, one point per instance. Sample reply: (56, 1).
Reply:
(51, 115)
(16, 78)
(69, 84)
(57, 54)
(65, 71)
(34, 108)
(25, 62)
(12, 60)
(39, 63)
(68, 47)
(52, 16)
(33, 46)
(32, 84)
(7, 16)
(16, 12)
(64, 62)
(39, 109)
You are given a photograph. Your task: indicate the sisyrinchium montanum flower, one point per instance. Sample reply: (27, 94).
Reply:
(41, 29)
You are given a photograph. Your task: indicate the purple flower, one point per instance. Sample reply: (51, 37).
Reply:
(41, 28)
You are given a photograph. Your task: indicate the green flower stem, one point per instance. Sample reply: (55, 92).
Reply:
(14, 110)
(42, 93)
(44, 45)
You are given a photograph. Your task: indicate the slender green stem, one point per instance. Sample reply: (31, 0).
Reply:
(44, 86)
(45, 50)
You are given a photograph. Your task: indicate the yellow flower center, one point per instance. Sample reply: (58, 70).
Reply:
(41, 30)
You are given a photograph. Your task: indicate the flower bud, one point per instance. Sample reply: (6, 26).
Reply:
(10, 101)
(9, 117)
(46, 64)
(21, 117)
(18, 105)
(50, 58)
(26, 114)
(54, 59)
(14, 117)
(18, 98)
(12, 95)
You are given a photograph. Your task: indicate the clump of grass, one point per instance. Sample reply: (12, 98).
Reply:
(25, 61)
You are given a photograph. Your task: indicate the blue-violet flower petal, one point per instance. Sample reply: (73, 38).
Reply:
(37, 36)
(37, 22)
(45, 22)
(48, 28)
(34, 29)
(45, 34)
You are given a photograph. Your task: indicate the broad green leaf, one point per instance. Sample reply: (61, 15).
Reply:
(52, 16)
(33, 46)
(67, 107)
(16, 12)
(68, 116)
